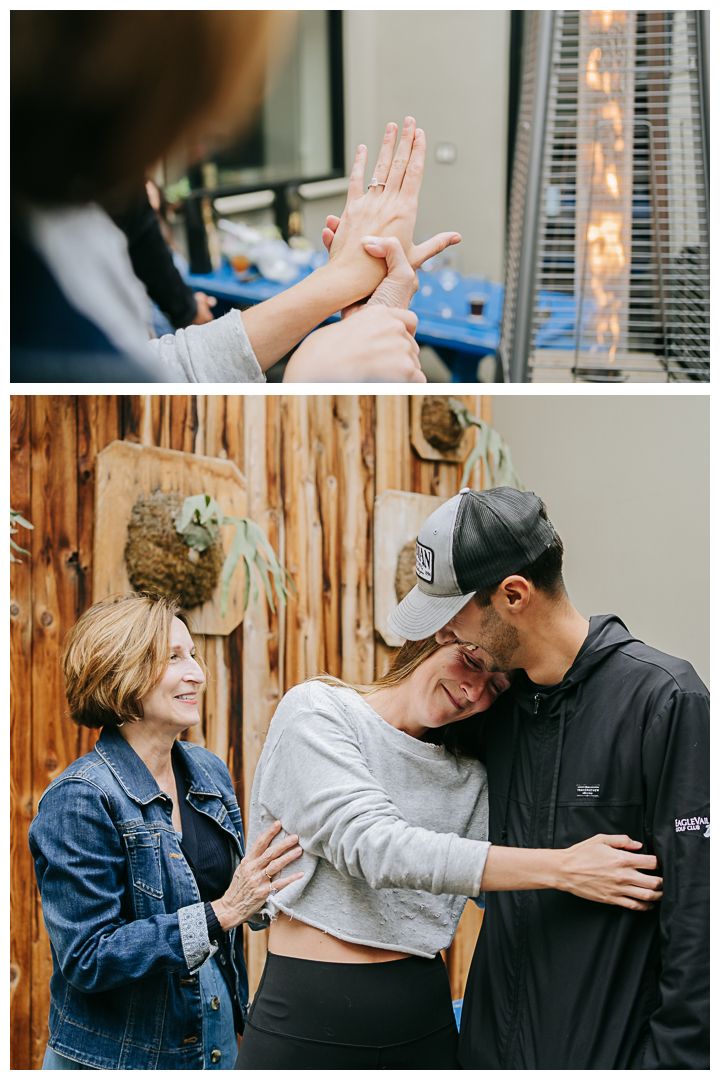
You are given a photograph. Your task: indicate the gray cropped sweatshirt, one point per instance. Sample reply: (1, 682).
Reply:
(393, 830)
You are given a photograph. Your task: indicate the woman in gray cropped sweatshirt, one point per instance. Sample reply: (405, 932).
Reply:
(385, 789)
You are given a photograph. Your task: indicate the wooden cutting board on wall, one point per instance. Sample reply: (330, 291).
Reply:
(124, 472)
(399, 516)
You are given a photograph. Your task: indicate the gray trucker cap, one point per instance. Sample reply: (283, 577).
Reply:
(475, 539)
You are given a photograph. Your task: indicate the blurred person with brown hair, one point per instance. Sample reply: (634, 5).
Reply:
(152, 260)
(97, 98)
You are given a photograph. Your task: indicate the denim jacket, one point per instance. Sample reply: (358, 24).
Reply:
(127, 927)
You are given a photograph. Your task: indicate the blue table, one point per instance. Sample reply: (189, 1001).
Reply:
(442, 305)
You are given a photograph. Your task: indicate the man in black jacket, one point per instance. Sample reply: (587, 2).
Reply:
(599, 734)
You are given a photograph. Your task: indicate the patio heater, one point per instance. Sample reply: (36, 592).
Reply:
(608, 268)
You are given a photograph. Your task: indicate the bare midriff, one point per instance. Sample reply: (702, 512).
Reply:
(289, 937)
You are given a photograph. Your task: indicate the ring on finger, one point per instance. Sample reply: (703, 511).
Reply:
(375, 183)
(268, 876)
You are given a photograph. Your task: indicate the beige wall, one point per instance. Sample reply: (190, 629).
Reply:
(448, 69)
(626, 482)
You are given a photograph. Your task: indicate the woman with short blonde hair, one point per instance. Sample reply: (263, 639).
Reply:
(138, 845)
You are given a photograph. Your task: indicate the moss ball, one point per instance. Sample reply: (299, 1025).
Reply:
(405, 578)
(439, 424)
(158, 559)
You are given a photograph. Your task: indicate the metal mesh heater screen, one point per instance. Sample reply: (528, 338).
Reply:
(608, 273)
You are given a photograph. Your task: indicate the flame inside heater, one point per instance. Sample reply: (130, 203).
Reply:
(606, 257)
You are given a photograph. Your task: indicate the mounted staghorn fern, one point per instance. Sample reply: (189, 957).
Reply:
(199, 521)
(16, 518)
(490, 448)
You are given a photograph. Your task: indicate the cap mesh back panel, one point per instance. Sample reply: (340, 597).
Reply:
(487, 551)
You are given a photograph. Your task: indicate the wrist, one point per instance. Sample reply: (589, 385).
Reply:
(350, 281)
(222, 914)
(558, 869)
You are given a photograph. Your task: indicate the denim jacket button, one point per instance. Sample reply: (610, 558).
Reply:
(215, 1003)
(215, 1056)
(222, 959)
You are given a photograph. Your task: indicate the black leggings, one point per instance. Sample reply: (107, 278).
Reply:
(308, 1014)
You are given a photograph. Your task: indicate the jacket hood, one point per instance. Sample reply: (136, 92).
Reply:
(606, 635)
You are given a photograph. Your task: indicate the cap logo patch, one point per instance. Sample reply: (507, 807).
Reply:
(424, 562)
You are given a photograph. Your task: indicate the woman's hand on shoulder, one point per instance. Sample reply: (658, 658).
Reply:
(255, 879)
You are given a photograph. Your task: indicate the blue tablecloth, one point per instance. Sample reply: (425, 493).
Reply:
(442, 305)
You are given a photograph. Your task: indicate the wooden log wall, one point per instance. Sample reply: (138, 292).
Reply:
(313, 466)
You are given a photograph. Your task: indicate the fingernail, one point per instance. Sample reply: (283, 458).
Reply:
(408, 122)
(389, 128)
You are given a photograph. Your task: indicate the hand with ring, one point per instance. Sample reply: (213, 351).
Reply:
(388, 208)
(255, 878)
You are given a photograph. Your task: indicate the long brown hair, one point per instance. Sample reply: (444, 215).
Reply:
(461, 738)
(97, 97)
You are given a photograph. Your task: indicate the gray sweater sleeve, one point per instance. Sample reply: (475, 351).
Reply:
(318, 784)
(219, 351)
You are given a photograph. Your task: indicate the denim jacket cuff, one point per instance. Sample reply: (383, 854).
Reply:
(196, 943)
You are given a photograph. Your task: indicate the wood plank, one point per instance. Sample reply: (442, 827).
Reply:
(393, 471)
(98, 421)
(357, 486)
(22, 878)
(183, 422)
(260, 689)
(54, 586)
(326, 424)
(125, 471)
(217, 697)
(461, 951)
(130, 417)
(303, 540)
(398, 518)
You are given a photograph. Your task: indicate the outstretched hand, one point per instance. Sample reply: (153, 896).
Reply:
(389, 209)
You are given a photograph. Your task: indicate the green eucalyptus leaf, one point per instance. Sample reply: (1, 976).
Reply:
(16, 517)
(198, 508)
(199, 537)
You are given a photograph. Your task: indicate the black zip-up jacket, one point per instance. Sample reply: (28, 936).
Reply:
(621, 745)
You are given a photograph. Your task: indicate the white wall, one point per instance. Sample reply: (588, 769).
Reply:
(448, 69)
(626, 483)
